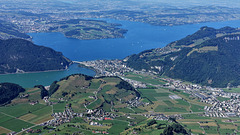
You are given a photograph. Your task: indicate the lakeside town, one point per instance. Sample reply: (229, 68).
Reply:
(42, 18)
(206, 94)
(120, 100)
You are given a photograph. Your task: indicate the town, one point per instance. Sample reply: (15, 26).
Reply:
(206, 94)
(45, 17)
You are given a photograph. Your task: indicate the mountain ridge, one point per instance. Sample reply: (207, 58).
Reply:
(9, 30)
(19, 55)
(208, 57)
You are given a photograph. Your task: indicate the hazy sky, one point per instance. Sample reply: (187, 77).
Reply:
(228, 3)
(182, 3)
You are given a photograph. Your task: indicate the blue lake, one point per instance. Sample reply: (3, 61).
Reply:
(28, 80)
(140, 37)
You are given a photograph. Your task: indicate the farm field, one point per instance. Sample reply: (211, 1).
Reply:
(155, 94)
(164, 104)
(233, 90)
(222, 99)
(74, 91)
(117, 126)
(4, 130)
(201, 125)
(189, 98)
(16, 117)
(145, 78)
(83, 94)
(60, 107)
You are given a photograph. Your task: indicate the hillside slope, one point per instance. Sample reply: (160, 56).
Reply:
(103, 93)
(209, 57)
(18, 55)
(9, 91)
(8, 30)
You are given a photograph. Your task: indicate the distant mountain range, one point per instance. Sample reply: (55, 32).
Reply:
(19, 55)
(209, 57)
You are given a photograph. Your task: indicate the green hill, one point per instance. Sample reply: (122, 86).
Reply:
(8, 30)
(88, 29)
(103, 92)
(9, 91)
(18, 55)
(209, 57)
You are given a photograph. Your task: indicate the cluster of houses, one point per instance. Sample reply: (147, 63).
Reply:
(113, 68)
(226, 94)
(157, 116)
(100, 132)
(92, 123)
(108, 67)
(24, 96)
(228, 108)
(177, 84)
(33, 102)
(34, 131)
(136, 102)
(231, 38)
(100, 114)
(62, 117)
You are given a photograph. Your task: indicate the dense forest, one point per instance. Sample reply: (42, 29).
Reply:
(18, 55)
(9, 91)
(125, 85)
(53, 88)
(216, 68)
(175, 128)
(214, 61)
(44, 92)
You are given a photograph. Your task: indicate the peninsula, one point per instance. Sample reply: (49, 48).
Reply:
(86, 29)
(19, 56)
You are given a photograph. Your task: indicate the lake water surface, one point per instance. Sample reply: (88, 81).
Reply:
(140, 37)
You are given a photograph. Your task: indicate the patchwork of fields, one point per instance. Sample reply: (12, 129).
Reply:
(102, 93)
(16, 117)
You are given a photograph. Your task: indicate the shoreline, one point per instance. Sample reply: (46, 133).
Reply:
(82, 66)
(40, 71)
(89, 67)
(33, 72)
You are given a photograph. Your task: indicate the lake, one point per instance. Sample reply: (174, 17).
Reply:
(28, 80)
(140, 36)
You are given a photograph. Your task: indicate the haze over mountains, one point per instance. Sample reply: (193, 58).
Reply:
(185, 3)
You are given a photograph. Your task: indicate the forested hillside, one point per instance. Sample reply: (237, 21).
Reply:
(8, 30)
(209, 57)
(9, 91)
(18, 55)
